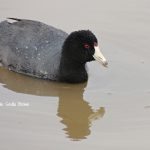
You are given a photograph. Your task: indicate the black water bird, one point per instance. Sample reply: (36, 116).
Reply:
(40, 50)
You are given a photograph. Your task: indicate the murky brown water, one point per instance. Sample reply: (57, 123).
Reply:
(111, 111)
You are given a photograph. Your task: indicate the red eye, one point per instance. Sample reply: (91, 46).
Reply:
(86, 46)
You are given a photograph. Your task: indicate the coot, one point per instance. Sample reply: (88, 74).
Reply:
(40, 50)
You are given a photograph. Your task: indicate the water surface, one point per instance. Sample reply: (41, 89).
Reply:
(111, 110)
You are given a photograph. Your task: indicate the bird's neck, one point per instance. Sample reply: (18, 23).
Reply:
(72, 71)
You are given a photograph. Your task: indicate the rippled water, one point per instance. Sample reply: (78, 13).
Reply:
(111, 111)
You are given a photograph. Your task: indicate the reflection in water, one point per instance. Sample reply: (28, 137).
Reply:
(75, 113)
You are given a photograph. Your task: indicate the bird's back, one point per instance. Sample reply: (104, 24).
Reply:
(31, 47)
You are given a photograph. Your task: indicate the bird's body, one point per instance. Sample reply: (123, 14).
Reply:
(40, 50)
(31, 47)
